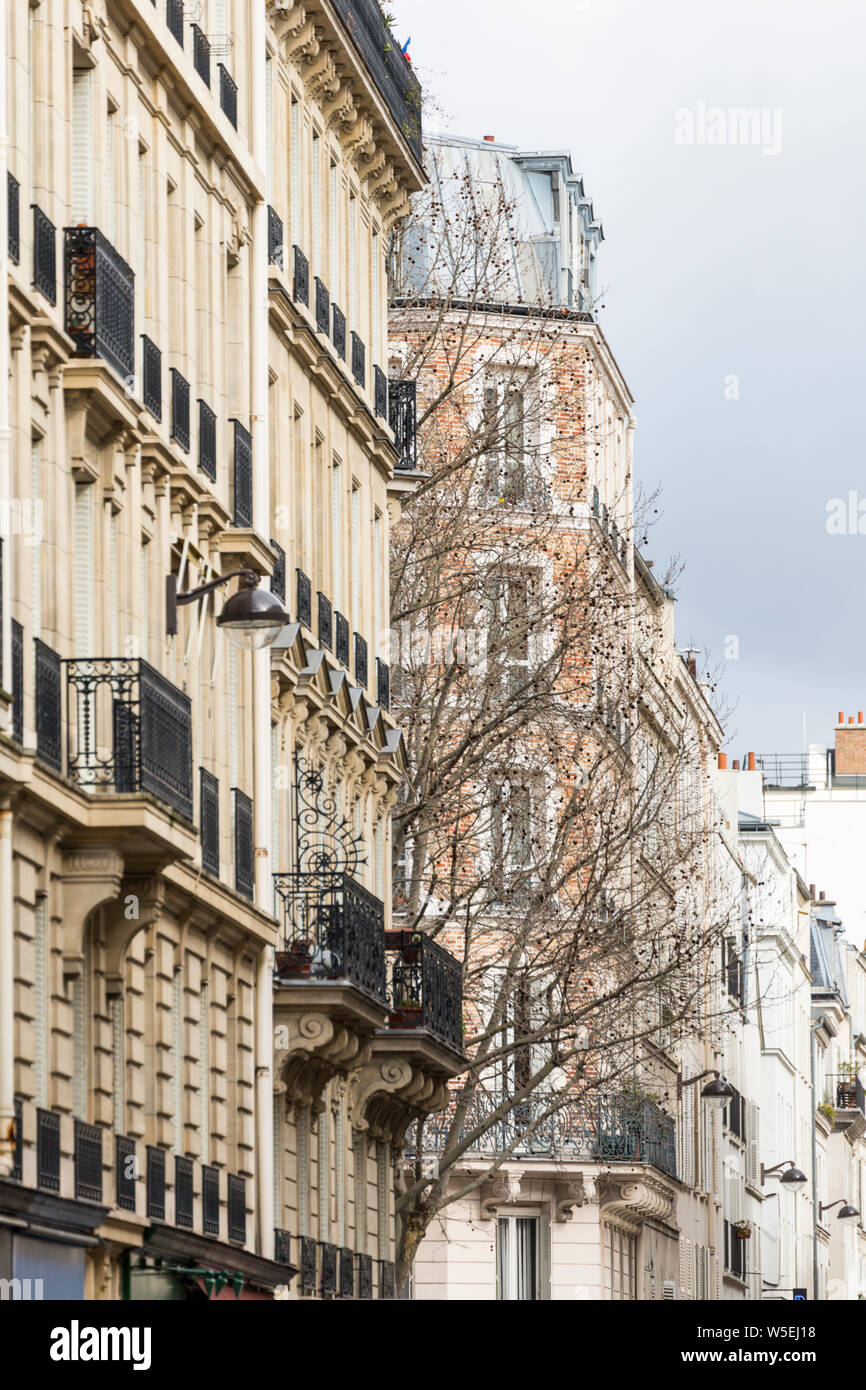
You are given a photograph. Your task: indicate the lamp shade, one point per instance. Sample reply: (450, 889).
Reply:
(793, 1177)
(717, 1093)
(253, 617)
(848, 1213)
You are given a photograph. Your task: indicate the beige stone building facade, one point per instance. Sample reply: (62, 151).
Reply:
(201, 1087)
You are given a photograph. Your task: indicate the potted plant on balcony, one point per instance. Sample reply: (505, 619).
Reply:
(743, 1230)
(296, 960)
(407, 1014)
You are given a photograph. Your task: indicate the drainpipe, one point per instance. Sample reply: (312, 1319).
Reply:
(812, 1066)
(262, 659)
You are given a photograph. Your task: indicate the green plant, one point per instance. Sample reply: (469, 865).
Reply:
(827, 1108)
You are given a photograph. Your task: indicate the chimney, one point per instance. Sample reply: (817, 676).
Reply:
(750, 762)
(723, 762)
(821, 896)
(812, 892)
(736, 764)
(491, 139)
(851, 746)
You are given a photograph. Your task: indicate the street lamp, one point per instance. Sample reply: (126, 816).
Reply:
(793, 1177)
(252, 618)
(848, 1213)
(716, 1094)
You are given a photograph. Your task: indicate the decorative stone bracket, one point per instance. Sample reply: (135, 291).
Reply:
(571, 1193)
(499, 1190)
(388, 1093)
(310, 1050)
(91, 877)
(635, 1200)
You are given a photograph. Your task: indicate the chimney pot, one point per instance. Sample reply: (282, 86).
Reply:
(850, 719)
(821, 896)
(841, 719)
(736, 764)
(812, 891)
(859, 716)
(490, 139)
(750, 763)
(723, 762)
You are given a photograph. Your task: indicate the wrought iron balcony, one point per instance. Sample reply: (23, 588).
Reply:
(278, 578)
(44, 255)
(48, 1150)
(425, 986)
(245, 871)
(301, 282)
(380, 393)
(184, 1192)
(365, 1276)
(209, 816)
(325, 622)
(323, 307)
(210, 1201)
(282, 1247)
(331, 929)
(17, 681)
(99, 290)
(609, 1129)
(151, 377)
(243, 475)
(383, 684)
(390, 71)
(361, 672)
(275, 238)
(180, 409)
(201, 54)
(13, 203)
(305, 599)
(347, 1273)
(174, 18)
(387, 1279)
(124, 1172)
(403, 419)
(359, 361)
(309, 1250)
(155, 1183)
(328, 1265)
(341, 638)
(849, 1093)
(207, 460)
(88, 1161)
(228, 94)
(128, 729)
(49, 701)
(338, 332)
(237, 1213)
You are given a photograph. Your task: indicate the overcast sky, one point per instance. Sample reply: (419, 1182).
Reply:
(720, 261)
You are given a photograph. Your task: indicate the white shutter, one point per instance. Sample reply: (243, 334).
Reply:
(40, 1002)
(296, 172)
(176, 1094)
(753, 1151)
(79, 1034)
(377, 583)
(353, 262)
(269, 129)
(233, 721)
(113, 582)
(333, 229)
(143, 600)
(204, 1068)
(337, 533)
(275, 799)
(374, 298)
(669, 1291)
(110, 193)
(317, 205)
(544, 1256)
(81, 199)
(323, 1174)
(36, 550)
(278, 1162)
(141, 218)
(118, 1065)
(356, 557)
(83, 638)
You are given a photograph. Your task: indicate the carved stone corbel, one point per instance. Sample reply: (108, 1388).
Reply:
(138, 906)
(500, 1190)
(312, 1048)
(91, 878)
(635, 1200)
(571, 1193)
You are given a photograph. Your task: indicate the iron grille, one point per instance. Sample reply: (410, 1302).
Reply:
(278, 578)
(228, 95)
(88, 1161)
(403, 419)
(128, 729)
(305, 599)
(359, 361)
(347, 1274)
(13, 203)
(17, 1157)
(275, 238)
(99, 290)
(17, 681)
(383, 684)
(183, 1192)
(237, 1198)
(48, 1150)
(308, 1265)
(282, 1247)
(329, 1268)
(244, 858)
(323, 307)
(325, 625)
(387, 1279)
(151, 377)
(174, 18)
(361, 672)
(331, 928)
(206, 440)
(341, 638)
(301, 284)
(365, 1276)
(243, 475)
(389, 70)
(338, 332)
(44, 255)
(49, 727)
(201, 54)
(155, 1182)
(180, 409)
(425, 986)
(380, 393)
(124, 1172)
(209, 789)
(210, 1201)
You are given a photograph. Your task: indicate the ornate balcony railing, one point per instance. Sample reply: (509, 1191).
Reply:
(328, 1265)
(88, 1161)
(174, 18)
(155, 1183)
(309, 1250)
(124, 1172)
(13, 227)
(609, 1129)
(278, 578)
(44, 255)
(359, 361)
(389, 70)
(201, 54)
(228, 94)
(325, 622)
(275, 238)
(128, 729)
(209, 815)
(323, 307)
(243, 475)
(184, 1194)
(207, 460)
(347, 1273)
(361, 671)
(380, 393)
(383, 684)
(403, 419)
(180, 409)
(282, 1247)
(365, 1276)
(245, 872)
(331, 928)
(341, 638)
(151, 377)
(99, 289)
(237, 1213)
(338, 331)
(425, 986)
(17, 681)
(49, 701)
(48, 1150)
(301, 282)
(305, 599)
(210, 1201)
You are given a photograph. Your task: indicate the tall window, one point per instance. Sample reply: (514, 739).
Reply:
(334, 231)
(295, 171)
(353, 262)
(317, 205)
(36, 551)
(337, 532)
(356, 555)
(83, 601)
(81, 206)
(374, 298)
(269, 129)
(41, 961)
(505, 425)
(517, 1257)
(620, 1264)
(377, 580)
(109, 185)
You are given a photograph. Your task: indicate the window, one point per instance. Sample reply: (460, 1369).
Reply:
(374, 298)
(517, 1257)
(508, 639)
(337, 533)
(333, 232)
(81, 208)
(110, 171)
(620, 1261)
(511, 825)
(356, 555)
(353, 262)
(505, 423)
(295, 174)
(317, 205)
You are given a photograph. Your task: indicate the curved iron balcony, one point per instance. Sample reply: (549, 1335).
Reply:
(425, 986)
(99, 299)
(332, 928)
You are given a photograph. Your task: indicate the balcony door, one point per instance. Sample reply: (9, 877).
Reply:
(518, 1257)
